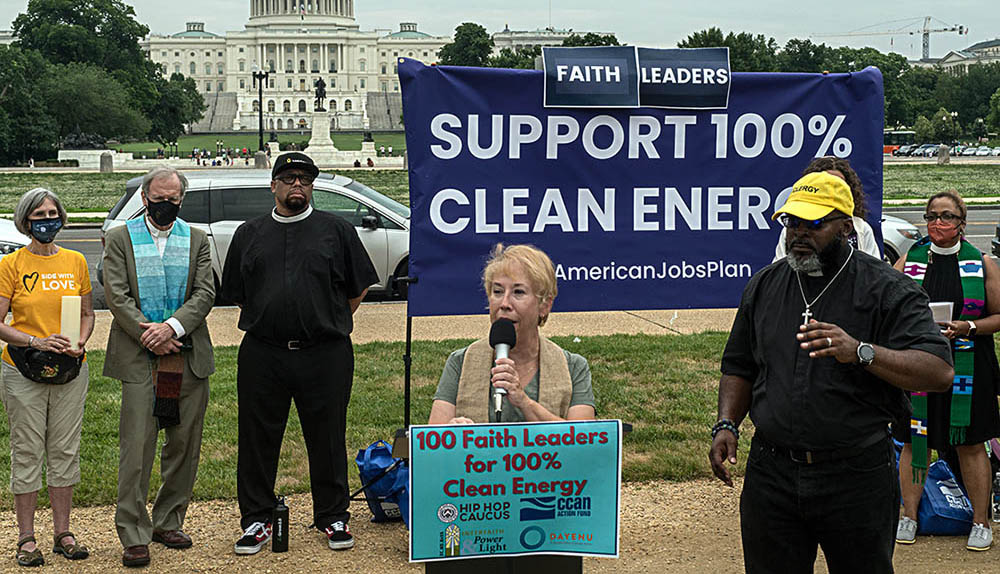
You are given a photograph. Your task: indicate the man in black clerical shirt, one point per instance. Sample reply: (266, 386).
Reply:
(298, 275)
(824, 342)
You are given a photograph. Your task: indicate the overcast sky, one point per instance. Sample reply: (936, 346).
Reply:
(654, 23)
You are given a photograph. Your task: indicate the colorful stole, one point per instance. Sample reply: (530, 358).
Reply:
(162, 282)
(970, 270)
(162, 279)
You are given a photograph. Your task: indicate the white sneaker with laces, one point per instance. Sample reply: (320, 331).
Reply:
(906, 532)
(981, 538)
(254, 538)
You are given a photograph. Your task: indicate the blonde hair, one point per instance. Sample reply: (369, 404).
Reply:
(532, 260)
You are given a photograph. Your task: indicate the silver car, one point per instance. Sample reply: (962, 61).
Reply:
(10, 238)
(898, 235)
(217, 202)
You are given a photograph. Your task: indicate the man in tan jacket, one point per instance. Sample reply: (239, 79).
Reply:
(159, 287)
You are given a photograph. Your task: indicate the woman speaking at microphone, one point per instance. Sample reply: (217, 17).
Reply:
(542, 381)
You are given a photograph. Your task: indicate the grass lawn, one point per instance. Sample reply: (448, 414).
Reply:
(920, 181)
(99, 192)
(250, 140)
(671, 408)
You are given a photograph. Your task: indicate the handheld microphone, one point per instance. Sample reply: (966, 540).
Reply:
(503, 337)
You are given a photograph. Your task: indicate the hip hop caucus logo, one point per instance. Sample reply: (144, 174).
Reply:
(447, 513)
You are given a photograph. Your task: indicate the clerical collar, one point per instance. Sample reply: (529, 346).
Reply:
(157, 232)
(947, 250)
(292, 218)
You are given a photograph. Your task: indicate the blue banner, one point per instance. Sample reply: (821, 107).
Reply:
(514, 489)
(638, 209)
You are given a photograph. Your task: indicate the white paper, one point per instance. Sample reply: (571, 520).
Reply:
(70, 319)
(942, 311)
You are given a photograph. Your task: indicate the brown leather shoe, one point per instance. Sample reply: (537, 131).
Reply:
(172, 538)
(136, 556)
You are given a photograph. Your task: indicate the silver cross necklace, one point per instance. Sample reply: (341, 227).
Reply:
(807, 314)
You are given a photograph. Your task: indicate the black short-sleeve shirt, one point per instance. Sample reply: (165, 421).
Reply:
(293, 280)
(800, 402)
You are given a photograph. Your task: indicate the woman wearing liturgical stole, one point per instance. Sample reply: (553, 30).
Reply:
(543, 382)
(952, 270)
(298, 276)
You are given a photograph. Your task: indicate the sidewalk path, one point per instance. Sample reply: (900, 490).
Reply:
(387, 322)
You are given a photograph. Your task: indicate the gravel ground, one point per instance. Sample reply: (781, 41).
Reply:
(690, 527)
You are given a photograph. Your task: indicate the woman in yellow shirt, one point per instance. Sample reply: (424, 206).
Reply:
(45, 419)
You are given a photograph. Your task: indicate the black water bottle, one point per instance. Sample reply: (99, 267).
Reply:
(279, 524)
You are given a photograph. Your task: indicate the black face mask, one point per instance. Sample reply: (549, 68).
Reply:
(163, 213)
(44, 230)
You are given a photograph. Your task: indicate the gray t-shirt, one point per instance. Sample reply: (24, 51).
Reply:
(579, 372)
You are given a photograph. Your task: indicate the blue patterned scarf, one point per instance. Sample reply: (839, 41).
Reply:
(162, 280)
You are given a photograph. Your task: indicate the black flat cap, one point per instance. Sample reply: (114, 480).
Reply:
(294, 159)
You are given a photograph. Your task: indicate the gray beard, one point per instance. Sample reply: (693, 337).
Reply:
(807, 264)
(815, 262)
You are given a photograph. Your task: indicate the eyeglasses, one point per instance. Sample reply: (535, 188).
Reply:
(792, 222)
(289, 178)
(949, 218)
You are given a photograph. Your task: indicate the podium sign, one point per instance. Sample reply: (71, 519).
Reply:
(514, 489)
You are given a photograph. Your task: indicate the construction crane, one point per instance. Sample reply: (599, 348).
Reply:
(905, 28)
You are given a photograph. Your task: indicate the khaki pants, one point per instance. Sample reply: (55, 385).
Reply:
(45, 422)
(137, 434)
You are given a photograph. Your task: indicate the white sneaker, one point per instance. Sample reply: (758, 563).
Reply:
(254, 538)
(981, 538)
(906, 532)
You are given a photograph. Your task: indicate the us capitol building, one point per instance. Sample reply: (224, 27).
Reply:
(297, 42)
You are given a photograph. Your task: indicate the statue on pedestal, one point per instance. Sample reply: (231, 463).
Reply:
(320, 95)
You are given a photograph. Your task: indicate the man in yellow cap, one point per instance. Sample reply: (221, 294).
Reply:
(823, 344)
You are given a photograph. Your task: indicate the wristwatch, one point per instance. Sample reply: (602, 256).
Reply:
(972, 329)
(866, 354)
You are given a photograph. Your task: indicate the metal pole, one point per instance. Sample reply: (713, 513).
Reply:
(260, 112)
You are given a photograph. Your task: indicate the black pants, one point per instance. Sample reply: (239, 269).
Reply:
(849, 507)
(319, 379)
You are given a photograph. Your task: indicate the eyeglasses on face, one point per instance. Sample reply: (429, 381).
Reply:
(792, 222)
(946, 217)
(289, 178)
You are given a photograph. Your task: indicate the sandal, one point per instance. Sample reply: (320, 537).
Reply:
(25, 558)
(75, 551)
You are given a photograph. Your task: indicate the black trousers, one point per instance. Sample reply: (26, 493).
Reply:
(849, 507)
(319, 379)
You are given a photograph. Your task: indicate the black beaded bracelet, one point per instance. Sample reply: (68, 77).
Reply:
(725, 424)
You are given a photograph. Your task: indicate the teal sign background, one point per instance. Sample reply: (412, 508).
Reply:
(513, 489)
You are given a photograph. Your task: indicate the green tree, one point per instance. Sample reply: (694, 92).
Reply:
(100, 32)
(180, 103)
(472, 47)
(590, 39)
(26, 128)
(993, 119)
(104, 34)
(520, 58)
(917, 85)
(923, 129)
(945, 127)
(710, 38)
(803, 56)
(747, 52)
(85, 98)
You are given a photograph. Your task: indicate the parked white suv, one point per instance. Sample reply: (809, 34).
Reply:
(218, 202)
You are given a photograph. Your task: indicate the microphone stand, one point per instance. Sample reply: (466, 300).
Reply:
(399, 443)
